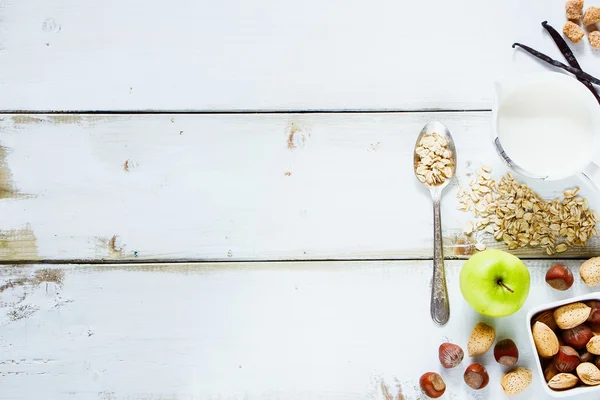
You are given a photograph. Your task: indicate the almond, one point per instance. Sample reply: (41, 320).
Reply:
(593, 346)
(563, 381)
(545, 340)
(550, 372)
(589, 374)
(516, 381)
(571, 315)
(590, 271)
(481, 340)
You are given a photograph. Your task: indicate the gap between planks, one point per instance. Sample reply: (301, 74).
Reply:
(242, 261)
(247, 111)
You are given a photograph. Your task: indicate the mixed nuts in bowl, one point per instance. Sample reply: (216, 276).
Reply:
(564, 336)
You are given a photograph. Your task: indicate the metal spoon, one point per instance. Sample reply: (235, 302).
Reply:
(440, 306)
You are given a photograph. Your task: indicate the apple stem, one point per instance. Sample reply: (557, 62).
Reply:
(504, 286)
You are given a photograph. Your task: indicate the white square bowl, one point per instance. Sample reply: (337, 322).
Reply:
(580, 390)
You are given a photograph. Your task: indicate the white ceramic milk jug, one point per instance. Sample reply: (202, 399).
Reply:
(547, 126)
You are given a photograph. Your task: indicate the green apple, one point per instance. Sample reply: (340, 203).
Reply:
(495, 283)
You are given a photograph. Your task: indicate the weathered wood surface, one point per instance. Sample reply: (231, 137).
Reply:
(267, 54)
(245, 187)
(302, 330)
(233, 187)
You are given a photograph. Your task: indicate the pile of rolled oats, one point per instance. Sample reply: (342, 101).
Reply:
(435, 160)
(519, 217)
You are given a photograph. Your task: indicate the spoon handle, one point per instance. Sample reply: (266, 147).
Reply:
(440, 306)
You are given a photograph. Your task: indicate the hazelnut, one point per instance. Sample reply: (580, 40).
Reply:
(476, 376)
(561, 341)
(506, 352)
(596, 361)
(450, 355)
(559, 277)
(586, 356)
(432, 385)
(594, 317)
(546, 317)
(595, 329)
(567, 359)
(577, 337)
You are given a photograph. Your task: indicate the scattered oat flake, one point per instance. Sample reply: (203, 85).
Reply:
(514, 214)
(561, 248)
(468, 228)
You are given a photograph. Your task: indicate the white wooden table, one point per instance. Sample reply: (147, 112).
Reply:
(215, 200)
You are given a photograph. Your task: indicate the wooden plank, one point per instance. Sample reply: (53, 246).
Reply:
(267, 54)
(232, 187)
(304, 330)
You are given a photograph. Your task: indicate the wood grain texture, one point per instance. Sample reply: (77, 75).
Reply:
(235, 187)
(267, 54)
(303, 330)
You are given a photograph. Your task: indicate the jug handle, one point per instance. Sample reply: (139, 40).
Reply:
(592, 172)
(499, 91)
